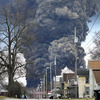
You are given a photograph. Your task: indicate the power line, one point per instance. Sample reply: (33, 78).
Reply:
(91, 29)
(92, 50)
(94, 47)
(92, 38)
(89, 45)
(94, 22)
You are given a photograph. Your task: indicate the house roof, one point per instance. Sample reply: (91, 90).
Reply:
(97, 75)
(94, 64)
(82, 72)
(66, 70)
(2, 89)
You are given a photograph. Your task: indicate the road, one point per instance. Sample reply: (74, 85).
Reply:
(26, 99)
(45, 99)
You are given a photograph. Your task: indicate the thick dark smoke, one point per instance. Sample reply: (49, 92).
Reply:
(54, 33)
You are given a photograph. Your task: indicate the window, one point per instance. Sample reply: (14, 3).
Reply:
(87, 90)
(87, 79)
(62, 85)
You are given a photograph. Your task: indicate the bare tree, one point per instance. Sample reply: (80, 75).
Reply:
(13, 35)
(95, 53)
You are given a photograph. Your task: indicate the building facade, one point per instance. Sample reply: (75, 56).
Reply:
(83, 82)
(94, 76)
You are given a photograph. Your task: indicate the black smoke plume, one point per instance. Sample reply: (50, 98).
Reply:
(54, 32)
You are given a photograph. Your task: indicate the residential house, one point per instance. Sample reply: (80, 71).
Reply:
(3, 91)
(67, 74)
(72, 84)
(69, 84)
(83, 82)
(94, 76)
(62, 80)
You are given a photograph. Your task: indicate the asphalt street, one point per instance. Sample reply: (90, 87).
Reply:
(34, 99)
(26, 99)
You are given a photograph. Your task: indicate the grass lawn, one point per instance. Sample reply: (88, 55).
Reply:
(1, 97)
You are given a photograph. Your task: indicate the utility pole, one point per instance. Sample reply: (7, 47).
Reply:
(50, 77)
(39, 91)
(41, 88)
(44, 85)
(55, 74)
(46, 82)
(75, 41)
